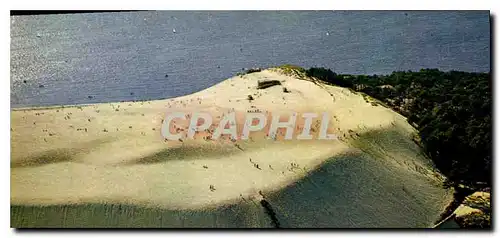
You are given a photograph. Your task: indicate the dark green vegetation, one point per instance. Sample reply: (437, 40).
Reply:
(451, 110)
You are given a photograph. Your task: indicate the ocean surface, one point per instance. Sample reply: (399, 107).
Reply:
(122, 56)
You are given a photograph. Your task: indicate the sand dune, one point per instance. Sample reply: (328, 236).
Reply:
(107, 165)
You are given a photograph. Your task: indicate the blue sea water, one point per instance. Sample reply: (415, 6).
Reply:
(126, 55)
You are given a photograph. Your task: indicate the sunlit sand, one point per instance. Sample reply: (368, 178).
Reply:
(101, 163)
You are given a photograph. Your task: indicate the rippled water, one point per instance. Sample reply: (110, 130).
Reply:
(126, 55)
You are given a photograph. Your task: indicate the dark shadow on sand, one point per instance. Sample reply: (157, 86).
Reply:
(57, 155)
(356, 189)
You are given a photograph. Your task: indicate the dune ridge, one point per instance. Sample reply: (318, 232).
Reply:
(111, 155)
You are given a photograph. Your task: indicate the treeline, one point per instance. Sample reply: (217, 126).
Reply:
(451, 110)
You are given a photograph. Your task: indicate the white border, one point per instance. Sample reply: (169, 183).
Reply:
(254, 5)
(217, 5)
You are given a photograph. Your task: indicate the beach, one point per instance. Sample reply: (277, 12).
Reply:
(107, 164)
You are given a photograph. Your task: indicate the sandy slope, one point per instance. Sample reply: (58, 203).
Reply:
(98, 156)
